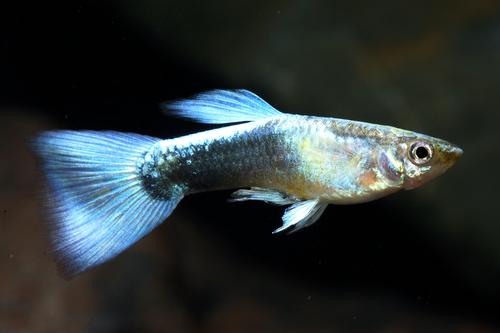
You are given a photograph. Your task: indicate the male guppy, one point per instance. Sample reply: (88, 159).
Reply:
(109, 189)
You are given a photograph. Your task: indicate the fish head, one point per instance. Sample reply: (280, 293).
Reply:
(424, 158)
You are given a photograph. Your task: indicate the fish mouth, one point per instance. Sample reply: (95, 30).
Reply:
(458, 151)
(451, 154)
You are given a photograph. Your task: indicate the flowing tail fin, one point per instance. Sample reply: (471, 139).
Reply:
(98, 204)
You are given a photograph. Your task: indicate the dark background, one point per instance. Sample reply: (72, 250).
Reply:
(420, 261)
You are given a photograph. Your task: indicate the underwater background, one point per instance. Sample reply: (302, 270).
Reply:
(426, 260)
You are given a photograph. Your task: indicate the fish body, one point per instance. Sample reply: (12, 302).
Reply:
(339, 161)
(109, 189)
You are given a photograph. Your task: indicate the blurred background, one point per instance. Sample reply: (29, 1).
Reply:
(419, 261)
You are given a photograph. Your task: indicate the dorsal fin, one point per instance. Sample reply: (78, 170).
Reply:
(222, 107)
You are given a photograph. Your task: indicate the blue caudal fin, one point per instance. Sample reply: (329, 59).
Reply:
(221, 107)
(95, 195)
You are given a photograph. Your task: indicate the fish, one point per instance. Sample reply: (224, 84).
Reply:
(108, 189)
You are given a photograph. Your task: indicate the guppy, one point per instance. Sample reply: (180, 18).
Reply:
(108, 189)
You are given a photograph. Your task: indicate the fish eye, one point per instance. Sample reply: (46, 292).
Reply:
(420, 153)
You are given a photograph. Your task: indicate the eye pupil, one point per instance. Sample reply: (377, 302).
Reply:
(421, 152)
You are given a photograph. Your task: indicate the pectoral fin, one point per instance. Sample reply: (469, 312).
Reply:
(301, 214)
